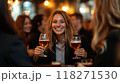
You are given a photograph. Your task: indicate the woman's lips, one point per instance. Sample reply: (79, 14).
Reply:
(58, 29)
(28, 28)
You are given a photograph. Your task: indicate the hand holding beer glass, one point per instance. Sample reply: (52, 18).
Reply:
(43, 42)
(76, 44)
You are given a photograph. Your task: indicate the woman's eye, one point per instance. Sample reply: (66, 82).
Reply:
(55, 21)
(62, 21)
(25, 23)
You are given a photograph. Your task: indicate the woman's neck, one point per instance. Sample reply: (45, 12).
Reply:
(60, 38)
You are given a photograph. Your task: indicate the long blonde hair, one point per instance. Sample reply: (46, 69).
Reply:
(106, 19)
(69, 31)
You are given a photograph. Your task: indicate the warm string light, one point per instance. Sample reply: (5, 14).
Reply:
(46, 3)
(17, 2)
(11, 2)
(65, 8)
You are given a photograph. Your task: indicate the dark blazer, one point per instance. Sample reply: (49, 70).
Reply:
(69, 54)
(107, 58)
(86, 33)
(87, 37)
(13, 51)
(51, 56)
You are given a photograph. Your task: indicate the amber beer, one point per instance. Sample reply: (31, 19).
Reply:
(44, 43)
(76, 44)
(87, 62)
(56, 64)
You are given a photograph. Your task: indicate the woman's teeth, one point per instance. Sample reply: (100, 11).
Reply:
(28, 28)
(58, 29)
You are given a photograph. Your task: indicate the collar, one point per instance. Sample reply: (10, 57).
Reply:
(63, 41)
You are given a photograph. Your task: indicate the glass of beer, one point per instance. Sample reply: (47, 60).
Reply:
(43, 41)
(87, 62)
(76, 44)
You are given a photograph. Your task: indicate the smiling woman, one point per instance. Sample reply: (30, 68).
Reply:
(24, 26)
(58, 25)
(60, 31)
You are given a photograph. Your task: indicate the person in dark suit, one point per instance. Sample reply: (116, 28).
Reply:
(12, 48)
(106, 39)
(60, 32)
(77, 21)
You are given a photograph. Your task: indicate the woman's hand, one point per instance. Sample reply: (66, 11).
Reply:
(39, 50)
(81, 52)
(80, 65)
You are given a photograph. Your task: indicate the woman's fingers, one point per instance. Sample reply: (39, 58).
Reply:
(40, 47)
(39, 50)
(80, 52)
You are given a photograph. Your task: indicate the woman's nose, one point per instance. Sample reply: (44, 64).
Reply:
(29, 25)
(58, 24)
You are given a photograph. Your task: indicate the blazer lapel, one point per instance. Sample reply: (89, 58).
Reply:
(53, 55)
(67, 53)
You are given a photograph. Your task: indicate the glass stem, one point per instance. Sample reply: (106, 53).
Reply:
(75, 55)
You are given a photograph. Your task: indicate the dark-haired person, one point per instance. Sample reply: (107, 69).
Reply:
(12, 48)
(106, 39)
(77, 21)
(39, 23)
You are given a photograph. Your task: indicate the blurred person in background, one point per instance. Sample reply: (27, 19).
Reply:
(106, 39)
(23, 23)
(60, 32)
(39, 23)
(12, 49)
(77, 21)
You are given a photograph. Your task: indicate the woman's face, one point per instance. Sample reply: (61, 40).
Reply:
(27, 26)
(58, 24)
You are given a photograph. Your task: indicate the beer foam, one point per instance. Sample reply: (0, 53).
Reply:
(44, 40)
(56, 63)
(75, 41)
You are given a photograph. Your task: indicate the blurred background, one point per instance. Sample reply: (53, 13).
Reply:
(34, 7)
